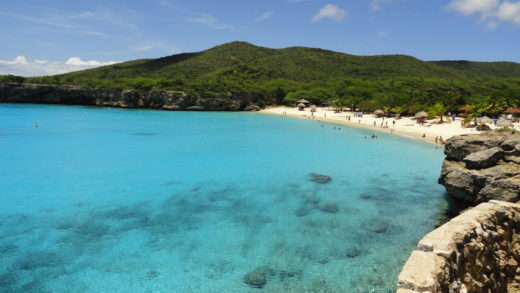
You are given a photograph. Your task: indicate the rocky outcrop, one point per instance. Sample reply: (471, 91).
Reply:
(482, 167)
(165, 100)
(478, 251)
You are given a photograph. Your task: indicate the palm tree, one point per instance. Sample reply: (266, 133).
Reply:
(398, 110)
(438, 110)
(387, 110)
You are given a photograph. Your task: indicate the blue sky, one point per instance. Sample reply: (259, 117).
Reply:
(47, 37)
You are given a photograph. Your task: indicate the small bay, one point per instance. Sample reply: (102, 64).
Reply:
(116, 200)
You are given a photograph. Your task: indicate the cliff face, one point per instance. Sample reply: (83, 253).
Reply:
(482, 167)
(478, 251)
(166, 100)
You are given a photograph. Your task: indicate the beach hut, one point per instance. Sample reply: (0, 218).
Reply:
(301, 107)
(512, 112)
(379, 113)
(421, 116)
(304, 102)
(313, 108)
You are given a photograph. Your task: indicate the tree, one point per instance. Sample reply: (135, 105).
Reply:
(438, 110)
(315, 96)
(12, 78)
(398, 110)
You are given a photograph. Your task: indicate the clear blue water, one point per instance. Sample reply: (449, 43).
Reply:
(113, 200)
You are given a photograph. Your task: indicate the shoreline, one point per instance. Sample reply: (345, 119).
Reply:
(405, 126)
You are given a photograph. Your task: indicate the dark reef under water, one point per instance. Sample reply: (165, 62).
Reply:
(78, 239)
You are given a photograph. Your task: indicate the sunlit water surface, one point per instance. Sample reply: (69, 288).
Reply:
(112, 200)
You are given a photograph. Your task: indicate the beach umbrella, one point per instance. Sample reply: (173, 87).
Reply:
(313, 108)
(484, 120)
(512, 111)
(465, 108)
(421, 115)
(504, 123)
(301, 106)
(379, 113)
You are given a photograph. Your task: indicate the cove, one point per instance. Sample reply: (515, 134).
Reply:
(116, 200)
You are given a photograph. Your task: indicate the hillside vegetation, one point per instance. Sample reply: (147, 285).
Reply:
(284, 75)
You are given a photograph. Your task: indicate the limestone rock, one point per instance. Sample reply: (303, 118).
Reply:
(484, 159)
(167, 100)
(505, 189)
(477, 251)
(253, 108)
(482, 167)
(458, 147)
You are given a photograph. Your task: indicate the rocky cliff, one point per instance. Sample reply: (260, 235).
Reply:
(166, 100)
(478, 251)
(481, 167)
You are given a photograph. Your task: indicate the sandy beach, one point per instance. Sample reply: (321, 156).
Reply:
(405, 126)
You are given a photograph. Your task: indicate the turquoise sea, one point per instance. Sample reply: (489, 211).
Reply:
(113, 200)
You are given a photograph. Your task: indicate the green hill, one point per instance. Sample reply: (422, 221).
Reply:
(295, 63)
(258, 75)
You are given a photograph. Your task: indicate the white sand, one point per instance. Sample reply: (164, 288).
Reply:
(405, 126)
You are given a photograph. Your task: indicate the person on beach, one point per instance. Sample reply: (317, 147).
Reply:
(393, 122)
(436, 139)
(374, 123)
(424, 135)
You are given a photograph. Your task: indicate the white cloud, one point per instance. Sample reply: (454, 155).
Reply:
(21, 66)
(330, 11)
(195, 17)
(78, 62)
(143, 48)
(265, 16)
(376, 4)
(509, 11)
(96, 33)
(492, 12)
(468, 7)
(17, 60)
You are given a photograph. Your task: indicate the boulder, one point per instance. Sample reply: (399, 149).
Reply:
(484, 159)
(505, 189)
(353, 251)
(510, 144)
(330, 208)
(458, 147)
(319, 178)
(256, 279)
(482, 167)
(376, 226)
(252, 108)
